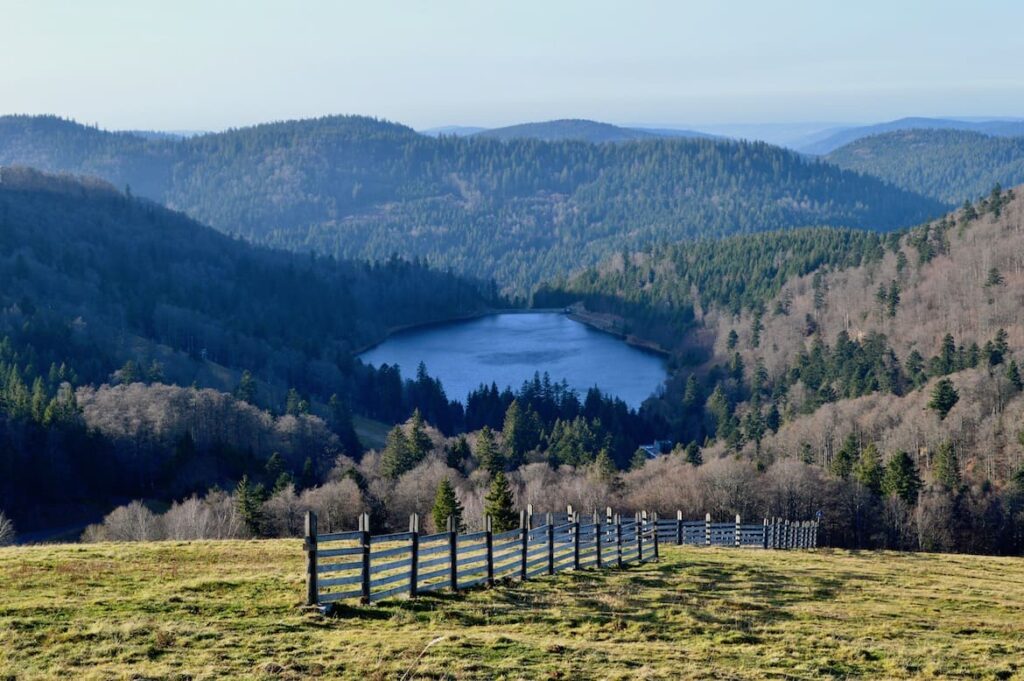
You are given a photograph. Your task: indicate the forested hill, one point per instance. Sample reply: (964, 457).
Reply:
(828, 141)
(582, 130)
(950, 165)
(521, 211)
(889, 360)
(92, 278)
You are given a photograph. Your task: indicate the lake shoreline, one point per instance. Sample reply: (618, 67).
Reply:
(394, 331)
(605, 323)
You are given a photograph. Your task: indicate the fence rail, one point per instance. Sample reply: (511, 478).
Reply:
(356, 565)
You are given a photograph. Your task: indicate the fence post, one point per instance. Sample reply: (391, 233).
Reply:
(789, 536)
(576, 541)
(764, 534)
(679, 528)
(524, 529)
(707, 529)
(489, 544)
(312, 592)
(654, 535)
(618, 540)
(816, 522)
(597, 537)
(736, 533)
(414, 545)
(453, 554)
(641, 521)
(551, 544)
(364, 540)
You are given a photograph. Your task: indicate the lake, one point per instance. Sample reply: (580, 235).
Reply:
(509, 348)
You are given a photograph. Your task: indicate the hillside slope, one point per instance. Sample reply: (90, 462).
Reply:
(949, 165)
(232, 609)
(803, 346)
(519, 211)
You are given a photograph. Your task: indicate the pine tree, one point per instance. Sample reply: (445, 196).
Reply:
(520, 434)
(487, 453)
(994, 278)
(901, 478)
(732, 339)
(246, 390)
(420, 444)
(944, 397)
(947, 467)
(604, 466)
(844, 460)
(457, 453)
(249, 499)
(693, 455)
(868, 470)
(638, 461)
(397, 457)
(340, 421)
(295, 405)
(446, 504)
(1013, 375)
(498, 505)
(308, 477)
(273, 468)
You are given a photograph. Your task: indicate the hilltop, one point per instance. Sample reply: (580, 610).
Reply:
(229, 608)
(949, 165)
(520, 211)
(583, 130)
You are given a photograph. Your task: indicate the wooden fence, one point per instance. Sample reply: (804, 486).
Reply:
(357, 565)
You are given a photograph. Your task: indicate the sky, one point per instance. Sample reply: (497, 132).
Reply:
(210, 65)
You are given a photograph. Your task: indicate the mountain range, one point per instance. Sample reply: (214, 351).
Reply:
(520, 210)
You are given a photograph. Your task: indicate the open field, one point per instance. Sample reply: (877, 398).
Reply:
(209, 610)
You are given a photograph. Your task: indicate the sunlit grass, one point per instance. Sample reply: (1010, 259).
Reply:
(208, 610)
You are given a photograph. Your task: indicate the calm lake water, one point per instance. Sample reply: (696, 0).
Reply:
(508, 348)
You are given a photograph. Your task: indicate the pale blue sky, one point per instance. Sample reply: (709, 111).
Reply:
(215, 64)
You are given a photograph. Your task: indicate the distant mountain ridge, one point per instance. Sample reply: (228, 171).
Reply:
(520, 210)
(824, 144)
(583, 130)
(949, 165)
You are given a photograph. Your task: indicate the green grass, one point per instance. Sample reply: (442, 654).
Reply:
(211, 610)
(373, 434)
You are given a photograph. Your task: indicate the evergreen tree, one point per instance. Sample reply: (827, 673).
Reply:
(340, 421)
(457, 453)
(246, 390)
(732, 339)
(295, 405)
(946, 466)
(901, 478)
(693, 455)
(498, 505)
(397, 457)
(844, 460)
(1013, 375)
(638, 461)
(273, 468)
(994, 278)
(944, 397)
(249, 499)
(487, 453)
(308, 477)
(691, 394)
(868, 470)
(446, 504)
(604, 466)
(520, 434)
(420, 444)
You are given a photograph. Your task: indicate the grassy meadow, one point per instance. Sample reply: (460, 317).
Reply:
(232, 609)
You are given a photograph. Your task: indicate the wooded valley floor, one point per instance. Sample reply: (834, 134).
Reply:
(232, 609)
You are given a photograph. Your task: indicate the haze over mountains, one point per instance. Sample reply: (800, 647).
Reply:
(519, 211)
